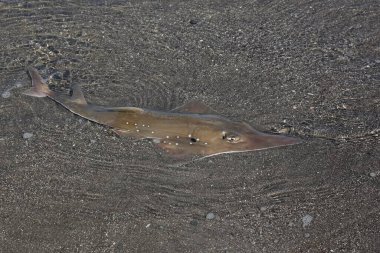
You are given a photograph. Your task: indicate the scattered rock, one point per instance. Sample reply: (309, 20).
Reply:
(194, 222)
(306, 220)
(210, 216)
(27, 135)
(66, 75)
(284, 130)
(6, 94)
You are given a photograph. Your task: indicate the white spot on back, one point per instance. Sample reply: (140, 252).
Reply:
(189, 135)
(152, 132)
(167, 137)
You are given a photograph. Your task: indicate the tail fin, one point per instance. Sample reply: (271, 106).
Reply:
(39, 87)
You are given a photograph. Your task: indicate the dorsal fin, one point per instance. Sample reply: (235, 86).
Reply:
(195, 107)
(77, 95)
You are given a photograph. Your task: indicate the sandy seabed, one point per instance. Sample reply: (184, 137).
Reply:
(305, 68)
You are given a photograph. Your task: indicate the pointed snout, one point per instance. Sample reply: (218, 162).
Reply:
(265, 141)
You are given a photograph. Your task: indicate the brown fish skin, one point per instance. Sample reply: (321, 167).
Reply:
(190, 130)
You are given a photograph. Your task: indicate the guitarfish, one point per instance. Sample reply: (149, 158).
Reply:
(193, 129)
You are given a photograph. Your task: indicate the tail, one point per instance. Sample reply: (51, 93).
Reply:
(39, 87)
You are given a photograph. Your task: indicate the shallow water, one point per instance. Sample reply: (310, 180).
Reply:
(309, 68)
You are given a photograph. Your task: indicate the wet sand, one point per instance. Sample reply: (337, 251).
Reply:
(307, 69)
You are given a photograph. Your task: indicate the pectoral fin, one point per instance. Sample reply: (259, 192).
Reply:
(178, 154)
(121, 132)
(176, 148)
(128, 133)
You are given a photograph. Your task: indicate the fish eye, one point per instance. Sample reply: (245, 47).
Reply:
(230, 137)
(193, 139)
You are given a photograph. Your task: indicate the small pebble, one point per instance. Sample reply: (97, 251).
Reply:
(66, 75)
(210, 216)
(6, 94)
(194, 222)
(27, 135)
(284, 130)
(306, 220)
(18, 85)
(374, 174)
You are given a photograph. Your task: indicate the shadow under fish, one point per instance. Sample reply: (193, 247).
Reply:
(193, 129)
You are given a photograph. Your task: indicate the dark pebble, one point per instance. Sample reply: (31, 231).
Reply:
(66, 75)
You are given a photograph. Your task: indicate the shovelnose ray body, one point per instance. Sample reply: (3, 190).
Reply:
(190, 130)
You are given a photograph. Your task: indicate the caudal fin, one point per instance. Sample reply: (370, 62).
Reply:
(39, 87)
